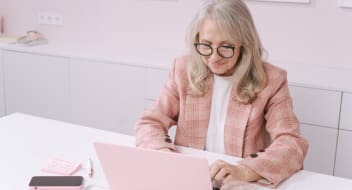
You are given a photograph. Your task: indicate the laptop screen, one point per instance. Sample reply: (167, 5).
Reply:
(141, 169)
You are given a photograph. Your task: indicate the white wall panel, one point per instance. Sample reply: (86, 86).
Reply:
(346, 112)
(37, 84)
(2, 100)
(343, 167)
(155, 80)
(316, 106)
(322, 144)
(107, 96)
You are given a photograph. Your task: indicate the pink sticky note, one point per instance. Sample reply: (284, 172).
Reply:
(61, 167)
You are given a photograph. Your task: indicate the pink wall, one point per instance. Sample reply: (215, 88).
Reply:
(122, 23)
(319, 33)
(309, 34)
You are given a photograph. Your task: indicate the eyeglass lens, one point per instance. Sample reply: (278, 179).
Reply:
(207, 50)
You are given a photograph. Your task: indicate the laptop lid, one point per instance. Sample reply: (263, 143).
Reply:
(131, 168)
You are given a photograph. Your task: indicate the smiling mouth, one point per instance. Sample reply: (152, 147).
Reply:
(217, 64)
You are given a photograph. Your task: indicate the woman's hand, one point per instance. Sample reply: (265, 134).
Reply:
(222, 173)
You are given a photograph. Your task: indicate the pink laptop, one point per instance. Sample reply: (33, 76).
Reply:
(131, 168)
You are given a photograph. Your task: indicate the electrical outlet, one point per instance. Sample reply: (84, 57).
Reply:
(50, 19)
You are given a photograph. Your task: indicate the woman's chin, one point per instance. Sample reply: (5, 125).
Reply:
(216, 72)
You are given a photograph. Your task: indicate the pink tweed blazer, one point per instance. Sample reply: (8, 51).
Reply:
(265, 133)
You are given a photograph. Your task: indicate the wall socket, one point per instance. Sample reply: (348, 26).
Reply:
(50, 19)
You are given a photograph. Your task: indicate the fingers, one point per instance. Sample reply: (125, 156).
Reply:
(215, 167)
(228, 178)
(219, 171)
(222, 172)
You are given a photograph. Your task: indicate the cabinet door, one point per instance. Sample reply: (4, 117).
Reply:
(2, 103)
(346, 112)
(321, 152)
(36, 84)
(343, 167)
(156, 79)
(107, 96)
(316, 106)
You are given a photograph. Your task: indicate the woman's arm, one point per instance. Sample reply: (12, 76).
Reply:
(285, 155)
(151, 130)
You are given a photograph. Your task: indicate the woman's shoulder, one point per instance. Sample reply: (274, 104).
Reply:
(181, 64)
(178, 71)
(276, 78)
(273, 72)
(182, 61)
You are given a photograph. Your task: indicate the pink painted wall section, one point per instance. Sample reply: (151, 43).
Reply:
(317, 34)
(306, 34)
(123, 23)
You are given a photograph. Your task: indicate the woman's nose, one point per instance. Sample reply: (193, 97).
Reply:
(214, 55)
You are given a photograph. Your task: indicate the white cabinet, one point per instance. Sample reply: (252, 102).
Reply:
(112, 96)
(346, 112)
(36, 84)
(318, 112)
(107, 96)
(321, 153)
(2, 100)
(155, 79)
(343, 167)
(316, 106)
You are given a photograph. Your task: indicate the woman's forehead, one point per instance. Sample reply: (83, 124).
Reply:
(212, 31)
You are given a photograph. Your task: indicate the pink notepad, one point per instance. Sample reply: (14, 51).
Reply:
(61, 167)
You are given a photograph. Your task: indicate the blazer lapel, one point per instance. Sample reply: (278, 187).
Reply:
(199, 114)
(235, 125)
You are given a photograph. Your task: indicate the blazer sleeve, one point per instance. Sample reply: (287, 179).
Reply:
(285, 155)
(151, 130)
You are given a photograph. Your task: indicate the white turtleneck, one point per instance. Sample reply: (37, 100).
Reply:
(222, 86)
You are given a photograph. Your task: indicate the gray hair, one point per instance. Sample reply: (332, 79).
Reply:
(234, 18)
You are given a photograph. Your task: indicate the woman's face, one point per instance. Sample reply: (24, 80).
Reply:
(210, 34)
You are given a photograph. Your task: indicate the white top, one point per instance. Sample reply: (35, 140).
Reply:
(222, 86)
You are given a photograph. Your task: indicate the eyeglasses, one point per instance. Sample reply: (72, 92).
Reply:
(223, 51)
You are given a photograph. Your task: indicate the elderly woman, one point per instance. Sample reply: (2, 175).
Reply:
(223, 97)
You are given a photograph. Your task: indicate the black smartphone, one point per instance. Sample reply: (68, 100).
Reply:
(53, 182)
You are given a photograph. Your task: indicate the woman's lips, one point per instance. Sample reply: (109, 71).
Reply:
(216, 64)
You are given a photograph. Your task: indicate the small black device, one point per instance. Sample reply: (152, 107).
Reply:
(56, 182)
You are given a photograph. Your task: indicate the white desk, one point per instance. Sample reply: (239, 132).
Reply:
(27, 142)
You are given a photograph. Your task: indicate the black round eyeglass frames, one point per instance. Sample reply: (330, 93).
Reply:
(223, 51)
